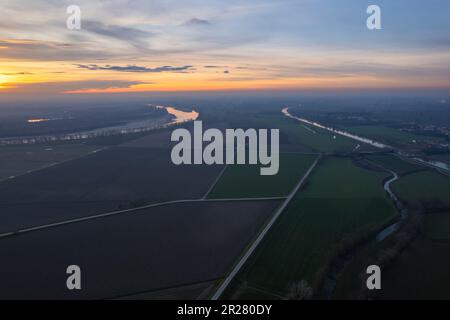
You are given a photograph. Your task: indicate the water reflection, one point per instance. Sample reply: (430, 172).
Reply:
(182, 116)
(136, 126)
(340, 132)
(37, 120)
(434, 164)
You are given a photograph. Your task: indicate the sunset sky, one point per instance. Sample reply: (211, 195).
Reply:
(179, 45)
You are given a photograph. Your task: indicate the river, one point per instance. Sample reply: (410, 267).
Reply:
(434, 164)
(338, 263)
(181, 116)
(174, 116)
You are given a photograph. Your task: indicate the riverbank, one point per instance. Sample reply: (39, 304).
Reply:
(173, 117)
(440, 166)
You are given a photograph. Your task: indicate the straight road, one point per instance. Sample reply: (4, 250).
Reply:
(261, 236)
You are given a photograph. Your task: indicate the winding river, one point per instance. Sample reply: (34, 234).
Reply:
(180, 116)
(338, 263)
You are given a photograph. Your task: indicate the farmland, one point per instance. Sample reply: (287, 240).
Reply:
(252, 184)
(116, 178)
(17, 160)
(313, 138)
(184, 249)
(157, 140)
(391, 136)
(406, 276)
(395, 164)
(340, 204)
(437, 226)
(428, 255)
(141, 251)
(420, 272)
(426, 188)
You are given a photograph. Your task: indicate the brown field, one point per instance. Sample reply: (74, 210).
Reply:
(128, 254)
(116, 178)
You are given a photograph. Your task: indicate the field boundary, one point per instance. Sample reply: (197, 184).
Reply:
(423, 164)
(118, 212)
(224, 285)
(216, 181)
(53, 164)
(161, 290)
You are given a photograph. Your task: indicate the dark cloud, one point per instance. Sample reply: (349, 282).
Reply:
(79, 49)
(115, 31)
(128, 34)
(133, 68)
(214, 67)
(49, 51)
(197, 22)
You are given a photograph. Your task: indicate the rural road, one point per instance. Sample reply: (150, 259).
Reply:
(261, 236)
(113, 213)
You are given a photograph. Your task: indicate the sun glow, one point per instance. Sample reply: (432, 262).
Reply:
(3, 79)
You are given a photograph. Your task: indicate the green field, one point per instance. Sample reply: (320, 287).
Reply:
(425, 188)
(394, 163)
(389, 135)
(420, 272)
(437, 226)
(348, 282)
(340, 204)
(245, 181)
(421, 269)
(17, 160)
